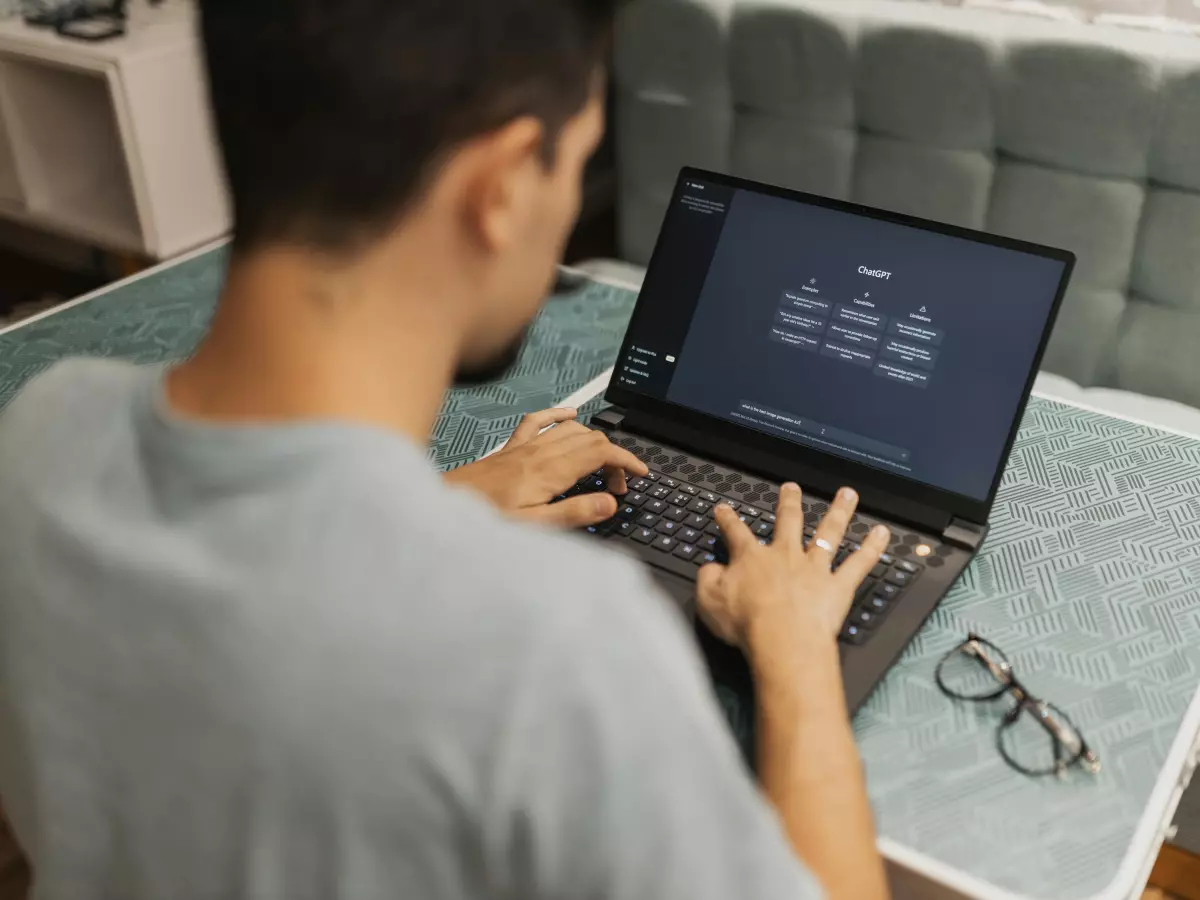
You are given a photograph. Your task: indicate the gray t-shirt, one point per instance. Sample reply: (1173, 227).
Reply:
(289, 663)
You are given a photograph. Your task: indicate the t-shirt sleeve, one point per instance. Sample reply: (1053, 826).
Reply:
(618, 778)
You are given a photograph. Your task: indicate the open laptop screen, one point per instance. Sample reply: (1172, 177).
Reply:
(893, 345)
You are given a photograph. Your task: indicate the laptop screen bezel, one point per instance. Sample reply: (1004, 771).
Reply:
(665, 412)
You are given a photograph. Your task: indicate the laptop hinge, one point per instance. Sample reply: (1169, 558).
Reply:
(962, 533)
(609, 419)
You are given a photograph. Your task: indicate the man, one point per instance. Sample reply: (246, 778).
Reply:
(253, 648)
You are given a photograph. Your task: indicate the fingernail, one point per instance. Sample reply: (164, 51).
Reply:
(881, 532)
(847, 495)
(791, 486)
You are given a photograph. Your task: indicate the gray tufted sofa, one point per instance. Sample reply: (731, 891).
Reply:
(1080, 136)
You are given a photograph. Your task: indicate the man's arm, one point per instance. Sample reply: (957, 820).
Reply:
(785, 605)
(617, 776)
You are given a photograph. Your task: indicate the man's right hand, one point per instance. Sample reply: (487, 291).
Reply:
(785, 605)
(786, 588)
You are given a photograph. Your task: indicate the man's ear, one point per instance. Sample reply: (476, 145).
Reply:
(504, 167)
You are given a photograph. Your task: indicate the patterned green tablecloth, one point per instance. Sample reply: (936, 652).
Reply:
(1090, 579)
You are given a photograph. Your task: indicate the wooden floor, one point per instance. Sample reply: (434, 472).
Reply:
(1176, 876)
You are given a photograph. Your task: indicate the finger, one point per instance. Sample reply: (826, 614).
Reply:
(860, 563)
(737, 536)
(589, 452)
(577, 512)
(616, 480)
(832, 530)
(789, 516)
(533, 424)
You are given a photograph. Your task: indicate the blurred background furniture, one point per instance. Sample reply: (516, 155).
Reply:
(110, 143)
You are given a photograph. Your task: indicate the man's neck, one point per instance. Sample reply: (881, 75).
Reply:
(293, 341)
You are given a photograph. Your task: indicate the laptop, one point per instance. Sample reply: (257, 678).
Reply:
(781, 336)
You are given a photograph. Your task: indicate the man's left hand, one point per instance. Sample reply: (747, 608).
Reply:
(537, 466)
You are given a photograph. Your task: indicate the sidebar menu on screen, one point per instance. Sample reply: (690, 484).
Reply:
(685, 250)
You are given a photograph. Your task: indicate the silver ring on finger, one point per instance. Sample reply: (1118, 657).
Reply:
(825, 545)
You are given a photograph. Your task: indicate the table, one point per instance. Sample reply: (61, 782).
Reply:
(1090, 580)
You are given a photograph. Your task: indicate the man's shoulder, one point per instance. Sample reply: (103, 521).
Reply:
(68, 407)
(71, 392)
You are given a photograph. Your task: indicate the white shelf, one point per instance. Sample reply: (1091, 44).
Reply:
(69, 151)
(111, 142)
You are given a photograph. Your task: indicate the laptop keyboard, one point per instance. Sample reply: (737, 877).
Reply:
(670, 523)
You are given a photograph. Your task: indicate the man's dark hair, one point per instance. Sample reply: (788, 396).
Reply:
(334, 114)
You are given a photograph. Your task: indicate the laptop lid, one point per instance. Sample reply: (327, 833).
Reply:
(800, 334)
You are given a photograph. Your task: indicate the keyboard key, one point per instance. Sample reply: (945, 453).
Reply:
(864, 590)
(769, 517)
(655, 506)
(696, 521)
(690, 489)
(853, 634)
(639, 484)
(879, 571)
(660, 492)
(625, 529)
(700, 506)
(703, 559)
(648, 520)
(644, 535)
(887, 591)
(635, 499)
(887, 559)
(863, 618)
(689, 535)
(664, 543)
(732, 504)
(878, 605)
(751, 512)
(595, 484)
(676, 513)
(627, 512)
(712, 528)
(763, 529)
(679, 498)
(669, 482)
(899, 578)
(685, 551)
(907, 566)
(666, 527)
(709, 497)
(653, 476)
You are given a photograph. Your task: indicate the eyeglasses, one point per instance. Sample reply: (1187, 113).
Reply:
(1035, 738)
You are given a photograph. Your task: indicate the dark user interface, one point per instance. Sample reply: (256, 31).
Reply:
(892, 346)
